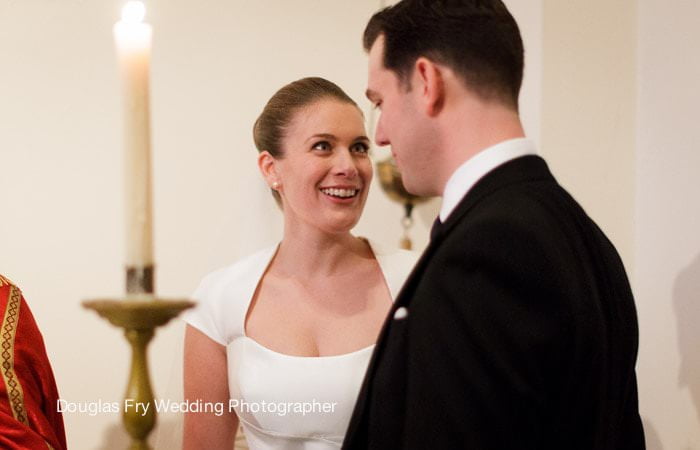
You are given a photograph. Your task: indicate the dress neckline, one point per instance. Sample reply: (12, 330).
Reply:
(271, 255)
(307, 358)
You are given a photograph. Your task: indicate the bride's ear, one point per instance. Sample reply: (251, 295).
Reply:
(268, 169)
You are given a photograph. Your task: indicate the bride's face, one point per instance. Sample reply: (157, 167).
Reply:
(326, 171)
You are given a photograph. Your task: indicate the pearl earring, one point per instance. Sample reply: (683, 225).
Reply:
(275, 185)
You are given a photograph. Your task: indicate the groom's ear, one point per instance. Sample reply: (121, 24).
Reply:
(266, 164)
(428, 79)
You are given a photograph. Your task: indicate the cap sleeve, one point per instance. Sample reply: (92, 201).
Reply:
(223, 296)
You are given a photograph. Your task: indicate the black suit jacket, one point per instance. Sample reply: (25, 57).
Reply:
(520, 332)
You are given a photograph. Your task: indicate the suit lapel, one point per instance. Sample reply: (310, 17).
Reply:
(525, 168)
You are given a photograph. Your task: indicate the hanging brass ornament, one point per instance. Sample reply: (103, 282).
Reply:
(392, 185)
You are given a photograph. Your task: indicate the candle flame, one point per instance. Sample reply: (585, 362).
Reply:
(133, 12)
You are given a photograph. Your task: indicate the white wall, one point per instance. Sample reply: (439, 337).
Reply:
(60, 218)
(529, 15)
(668, 222)
(589, 108)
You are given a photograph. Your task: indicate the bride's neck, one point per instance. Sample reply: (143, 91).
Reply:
(315, 253)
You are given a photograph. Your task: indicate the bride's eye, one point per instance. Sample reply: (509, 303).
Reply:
(360, 147)
(321, 145)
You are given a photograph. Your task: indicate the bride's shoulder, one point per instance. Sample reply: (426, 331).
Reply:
(393, 254)
(223, 296)
(395, 263)
(241, 270)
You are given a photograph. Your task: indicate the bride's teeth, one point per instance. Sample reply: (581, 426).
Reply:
(342, 193)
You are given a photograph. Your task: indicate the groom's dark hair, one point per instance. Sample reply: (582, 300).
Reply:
(478, 39)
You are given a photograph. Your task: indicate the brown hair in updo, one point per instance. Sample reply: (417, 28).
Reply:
(270, 127)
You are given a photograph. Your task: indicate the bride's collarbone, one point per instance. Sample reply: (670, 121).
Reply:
(305, 322)
(335, 297)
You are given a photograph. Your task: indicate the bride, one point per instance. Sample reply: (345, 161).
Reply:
(281, 339)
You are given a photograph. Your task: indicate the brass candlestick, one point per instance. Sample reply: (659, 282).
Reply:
(390, 180)
(139, 314)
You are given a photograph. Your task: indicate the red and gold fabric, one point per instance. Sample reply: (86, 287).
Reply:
(28, 396)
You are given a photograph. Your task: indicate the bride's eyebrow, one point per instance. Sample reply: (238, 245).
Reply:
(323, 136)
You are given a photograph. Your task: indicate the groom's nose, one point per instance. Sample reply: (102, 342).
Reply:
(380, 137)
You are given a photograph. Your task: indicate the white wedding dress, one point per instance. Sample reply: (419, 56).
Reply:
(283, 401)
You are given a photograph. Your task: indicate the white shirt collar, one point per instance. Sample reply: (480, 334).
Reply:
(473, 169)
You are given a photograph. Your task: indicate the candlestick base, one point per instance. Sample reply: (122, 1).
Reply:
(139, 319)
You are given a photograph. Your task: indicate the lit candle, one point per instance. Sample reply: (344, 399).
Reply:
(133, 41)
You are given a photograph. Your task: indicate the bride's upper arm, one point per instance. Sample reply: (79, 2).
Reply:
(206, 380)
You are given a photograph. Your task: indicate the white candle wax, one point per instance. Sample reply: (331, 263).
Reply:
(133, 41)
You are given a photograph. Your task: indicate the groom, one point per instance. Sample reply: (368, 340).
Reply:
(517, 329)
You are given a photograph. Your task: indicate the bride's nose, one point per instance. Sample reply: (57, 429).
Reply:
(344, 164)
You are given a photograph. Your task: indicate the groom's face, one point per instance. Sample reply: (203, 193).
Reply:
(400, 123)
